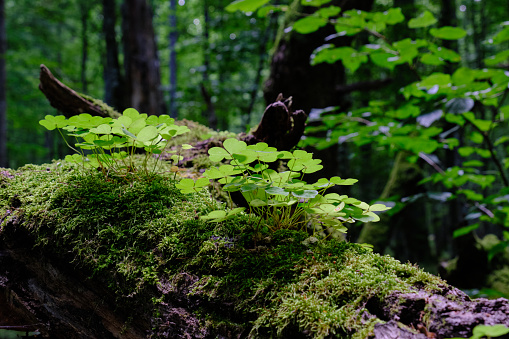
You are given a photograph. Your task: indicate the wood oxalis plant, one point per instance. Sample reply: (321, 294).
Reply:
(110, 144)
(281, 200)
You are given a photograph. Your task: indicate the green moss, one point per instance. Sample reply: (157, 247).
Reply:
(136, 234)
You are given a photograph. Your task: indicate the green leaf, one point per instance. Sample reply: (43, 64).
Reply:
(276, 191)
(245, 5)
(378, 208)
(137, 126)
(309, 24)
(305, 194)
(394, 16)
(407, 111)
(269, 9)
(490, 331)
(147, 133)
(501, 36)
(436, 79)
(131, 113)
(464, 76)
(314, 3)
(498, 58)
(101, 129)
(234, 146)
(448, 33)
(425, 20)
(257, 203)
(217, 154)
(445, 53)
(51, 122)
(431, 59)
(351, 58)
(464, 230)
(215, 216)
(327, 12)
(339, 181)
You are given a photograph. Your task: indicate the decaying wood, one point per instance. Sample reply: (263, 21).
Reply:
(68, 101)
(280, 127)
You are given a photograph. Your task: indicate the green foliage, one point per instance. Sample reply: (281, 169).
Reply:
(282, 200)
(110, 144)
(493, 331)
(447, 109)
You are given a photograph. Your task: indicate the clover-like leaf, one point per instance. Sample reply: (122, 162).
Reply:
(51, 122)
(258, 203)
(101, 129)
(137, 125)
(217, 154)
(305, 194)
(233, 145)
(147, 133)
(277, 191)
(131, 113)
(339, 181)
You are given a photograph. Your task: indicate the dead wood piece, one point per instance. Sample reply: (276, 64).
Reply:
(68, 101)
(280, 127)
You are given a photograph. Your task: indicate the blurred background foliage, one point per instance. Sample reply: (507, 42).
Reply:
(221, 68)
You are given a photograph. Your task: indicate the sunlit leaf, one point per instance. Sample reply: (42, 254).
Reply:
(425, 20)
(245, 5)
(448, 33)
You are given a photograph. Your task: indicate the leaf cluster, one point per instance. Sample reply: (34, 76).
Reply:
(110, 144)
(282, 200)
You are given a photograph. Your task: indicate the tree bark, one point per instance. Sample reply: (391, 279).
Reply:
(291, 72)
(113, 80)
(140, 58)
(84, 8)
(210, 112)
(173, 58)
(68, 101)
(3, 79)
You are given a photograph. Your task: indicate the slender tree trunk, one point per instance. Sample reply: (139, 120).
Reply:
(84, 43)
(173, 58)
(3, 79)
(114, 94)
(262, 57)
(205, 87)
(141, 62)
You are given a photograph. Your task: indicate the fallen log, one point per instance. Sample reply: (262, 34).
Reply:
(68, 101)
(209, 281)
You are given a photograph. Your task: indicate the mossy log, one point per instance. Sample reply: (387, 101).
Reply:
(68, 101)
(85, 257)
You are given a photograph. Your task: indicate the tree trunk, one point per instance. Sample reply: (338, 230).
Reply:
(173, 58)
(291, 72)
(113, 81)
(210, 112)
(141, 62)
(84, 8)
(3, 102)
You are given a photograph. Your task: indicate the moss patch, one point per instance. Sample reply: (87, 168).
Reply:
(143, 234)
